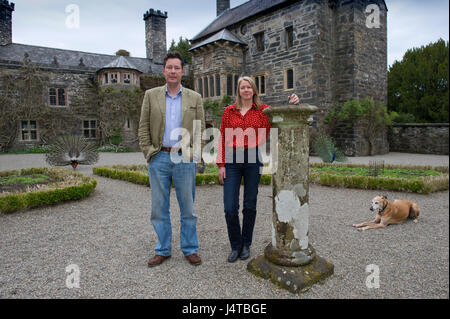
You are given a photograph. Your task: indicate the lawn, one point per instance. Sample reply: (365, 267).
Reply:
(365, 171)
(13, 183)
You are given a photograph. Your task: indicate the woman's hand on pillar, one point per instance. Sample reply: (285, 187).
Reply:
(294, 99)
(222, 174)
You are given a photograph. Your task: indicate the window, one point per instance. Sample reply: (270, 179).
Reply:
(232, 81)
(211, 85)
(229, 84)
(260, 81)
(289, 36)
(236, 78)
(127, 78)
(90, 128)
(289, 79)
(217, 85)
(259, 39)
(29, 130)
(205, 84)
(57, 96)
(200, 86)
(243, 29)
(113, 77)
(106, 78)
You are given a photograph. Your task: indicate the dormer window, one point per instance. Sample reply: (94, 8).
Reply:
(113, 77)
(127, 78)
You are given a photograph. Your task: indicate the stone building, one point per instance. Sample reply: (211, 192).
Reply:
(326, 51)
(71, 74)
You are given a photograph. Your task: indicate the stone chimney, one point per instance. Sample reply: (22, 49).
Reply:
(222, 5)
(155, 35)
(6, 10)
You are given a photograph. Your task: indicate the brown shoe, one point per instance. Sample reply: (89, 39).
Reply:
(157, 260)
(194, 259)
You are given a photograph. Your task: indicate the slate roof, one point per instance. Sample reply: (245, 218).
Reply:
(239, 13)
(245, 11)
(223, 35)
(69, 59)
(120, 63)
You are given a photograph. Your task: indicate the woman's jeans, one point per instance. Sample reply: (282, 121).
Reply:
(249, 169)
(161, 170)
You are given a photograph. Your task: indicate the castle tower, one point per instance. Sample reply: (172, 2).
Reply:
(222, 5)
(6, 10)
(155, 35)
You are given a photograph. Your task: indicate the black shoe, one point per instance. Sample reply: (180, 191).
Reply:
(233, 256)
(245, 253)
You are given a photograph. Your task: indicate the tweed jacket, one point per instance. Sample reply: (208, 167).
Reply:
(153, 119)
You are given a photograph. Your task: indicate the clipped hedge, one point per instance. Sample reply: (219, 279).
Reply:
(423, 185)
(126, 173)
(68, 185)
(134, 174)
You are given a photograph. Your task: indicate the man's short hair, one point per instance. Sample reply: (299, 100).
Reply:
(174, 55)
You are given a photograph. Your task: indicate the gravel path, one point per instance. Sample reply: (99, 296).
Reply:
(110, 238)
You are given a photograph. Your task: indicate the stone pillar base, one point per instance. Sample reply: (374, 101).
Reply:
(295, 279)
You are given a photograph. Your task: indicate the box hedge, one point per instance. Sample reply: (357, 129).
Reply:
(138, 174)
(68, 185)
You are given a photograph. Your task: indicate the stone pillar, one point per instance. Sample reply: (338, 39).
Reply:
(289, 260)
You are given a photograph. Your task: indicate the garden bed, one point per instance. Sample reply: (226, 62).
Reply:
(34, 187)
(418, 179)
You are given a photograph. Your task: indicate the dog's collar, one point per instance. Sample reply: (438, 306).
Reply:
(382, 210)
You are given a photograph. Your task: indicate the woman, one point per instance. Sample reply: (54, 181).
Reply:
(244, 127)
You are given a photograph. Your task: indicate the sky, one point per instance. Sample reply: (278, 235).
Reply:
(105, 26)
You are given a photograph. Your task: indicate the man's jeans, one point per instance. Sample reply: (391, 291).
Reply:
(161, 171)
(232, 183)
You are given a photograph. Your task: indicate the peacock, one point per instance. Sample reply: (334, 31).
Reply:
(72, 150)
(325, 148)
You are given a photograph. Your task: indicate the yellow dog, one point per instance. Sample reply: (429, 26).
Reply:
(390, 213)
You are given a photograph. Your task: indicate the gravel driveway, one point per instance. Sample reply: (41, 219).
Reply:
(109, 238)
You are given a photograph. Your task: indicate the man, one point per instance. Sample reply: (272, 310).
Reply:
(166, 137)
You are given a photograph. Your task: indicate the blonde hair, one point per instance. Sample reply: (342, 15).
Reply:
(256, 99)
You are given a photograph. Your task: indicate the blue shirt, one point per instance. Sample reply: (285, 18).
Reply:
(173, 118)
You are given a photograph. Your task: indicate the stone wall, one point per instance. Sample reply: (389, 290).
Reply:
(60, 119)
(419, 138)
(335, 57)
